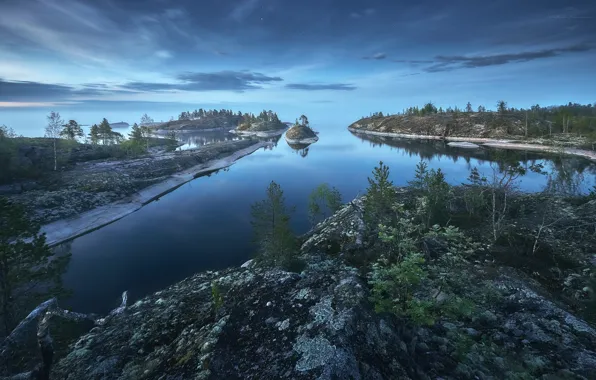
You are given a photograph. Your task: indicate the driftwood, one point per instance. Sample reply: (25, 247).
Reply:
(42, 315)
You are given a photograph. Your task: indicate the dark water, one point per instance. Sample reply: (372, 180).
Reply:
(205, 224)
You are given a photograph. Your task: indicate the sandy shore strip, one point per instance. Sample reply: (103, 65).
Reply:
(491, 143)
(67, 229)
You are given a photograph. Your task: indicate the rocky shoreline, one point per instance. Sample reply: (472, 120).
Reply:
(93, 194)
(488, 142)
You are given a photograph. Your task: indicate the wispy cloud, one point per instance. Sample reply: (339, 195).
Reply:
(364, 13)
(321, 86)
(216, 81)
(245, 9)
(448, 63)
(378, 56)
(24, 91)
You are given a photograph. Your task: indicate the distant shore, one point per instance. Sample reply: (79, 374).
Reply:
(491, 143)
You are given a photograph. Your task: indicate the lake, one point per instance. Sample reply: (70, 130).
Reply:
(205, 224)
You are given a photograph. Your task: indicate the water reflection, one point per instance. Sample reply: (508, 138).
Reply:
(194, 139)
(301, 149)
(565, 174)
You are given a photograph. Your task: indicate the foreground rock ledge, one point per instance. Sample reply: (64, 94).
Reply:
(251, 323)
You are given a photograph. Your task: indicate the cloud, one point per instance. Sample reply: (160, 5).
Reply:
(448, 63)
(163, 54)
(377, 56)
(216, 81)
(227, 80)
(15, 91)
(366, 12)
(320, 86)
(174, 13)
(245, 9)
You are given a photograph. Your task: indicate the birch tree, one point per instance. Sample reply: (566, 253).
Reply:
(53, 130)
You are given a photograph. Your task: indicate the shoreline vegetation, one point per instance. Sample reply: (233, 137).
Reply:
(568, 129)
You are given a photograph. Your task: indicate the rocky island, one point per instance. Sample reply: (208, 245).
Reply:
(266, 124)
(555, 129)
(202, 121)
(301, 133)
(423, 282)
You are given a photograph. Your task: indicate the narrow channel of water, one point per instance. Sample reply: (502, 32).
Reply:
(205, 224)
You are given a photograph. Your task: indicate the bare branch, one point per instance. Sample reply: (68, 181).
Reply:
(43, 314)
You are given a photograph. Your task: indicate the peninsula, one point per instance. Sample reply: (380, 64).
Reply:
(564, 129)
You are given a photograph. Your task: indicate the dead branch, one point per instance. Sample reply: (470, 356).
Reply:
(43, 314)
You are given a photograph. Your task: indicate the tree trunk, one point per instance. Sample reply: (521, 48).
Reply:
(55, 156)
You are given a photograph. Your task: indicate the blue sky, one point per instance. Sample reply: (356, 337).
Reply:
(318, 56)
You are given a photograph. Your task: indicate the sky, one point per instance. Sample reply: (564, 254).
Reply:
(318, 57)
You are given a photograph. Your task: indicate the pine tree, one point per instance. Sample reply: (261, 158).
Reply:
(380, 196)
(105, 131)
(136, 134)
(94, 136)
(469, 108)
(72, 130)
(271, 224)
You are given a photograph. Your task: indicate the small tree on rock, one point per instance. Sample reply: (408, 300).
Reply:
(53, 130)
(380, 196)
(271, 224)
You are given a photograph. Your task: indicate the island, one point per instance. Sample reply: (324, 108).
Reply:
(301, 132)
(266, 124)
(120, 124)
(561, 129)
(201, 121)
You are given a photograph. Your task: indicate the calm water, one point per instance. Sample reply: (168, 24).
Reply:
(205, 224)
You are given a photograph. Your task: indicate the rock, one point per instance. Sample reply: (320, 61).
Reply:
(175, 335)
(463, 144)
